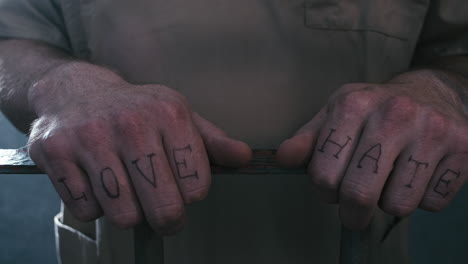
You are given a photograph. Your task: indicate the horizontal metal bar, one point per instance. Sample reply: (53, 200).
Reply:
(17, 161)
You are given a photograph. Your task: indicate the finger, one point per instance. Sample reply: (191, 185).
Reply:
(296, 151)
(409, 179)
(70, 182)
(384, 136)
(446, 182)
(187, 158)
(73, 186)
(154, 182)
(111, 186)
(337, 141)
(221, 149)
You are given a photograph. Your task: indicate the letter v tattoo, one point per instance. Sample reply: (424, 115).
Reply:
(151, 180)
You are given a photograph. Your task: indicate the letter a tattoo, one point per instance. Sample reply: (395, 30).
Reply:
(376, 158)
(328, 140)
(151, 180)
(83, 195)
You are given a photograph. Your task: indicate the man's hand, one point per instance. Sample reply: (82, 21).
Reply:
(399, 145)
(134, 151)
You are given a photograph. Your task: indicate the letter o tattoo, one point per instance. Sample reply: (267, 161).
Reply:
(111, 193)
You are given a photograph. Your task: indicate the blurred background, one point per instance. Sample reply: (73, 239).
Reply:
(28, 204)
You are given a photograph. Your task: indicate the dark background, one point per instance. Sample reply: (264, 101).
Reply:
(28, 204)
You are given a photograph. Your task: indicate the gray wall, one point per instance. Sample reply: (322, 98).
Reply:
(28, 204)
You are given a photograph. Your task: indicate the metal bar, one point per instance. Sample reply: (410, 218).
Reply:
(17, 161)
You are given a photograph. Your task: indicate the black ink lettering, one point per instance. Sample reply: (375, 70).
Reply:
(375, 158)
(182, 163)
(442, 186)
(112, 194)
(83, 195)
(418, 163)
(151, 180)
(328, 140)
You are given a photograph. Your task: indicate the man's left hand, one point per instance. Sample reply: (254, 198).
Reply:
(399, 145)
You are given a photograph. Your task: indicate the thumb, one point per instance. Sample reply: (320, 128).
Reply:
(296, 151)
(222, 150)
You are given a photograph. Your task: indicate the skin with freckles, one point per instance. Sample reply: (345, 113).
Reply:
(399, 145)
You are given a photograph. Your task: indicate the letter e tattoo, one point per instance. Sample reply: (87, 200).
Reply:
(181, 163)
(442, 186)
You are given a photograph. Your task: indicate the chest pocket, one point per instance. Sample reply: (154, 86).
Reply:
(401, 19)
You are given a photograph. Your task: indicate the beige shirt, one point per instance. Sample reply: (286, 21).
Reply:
(258, 69)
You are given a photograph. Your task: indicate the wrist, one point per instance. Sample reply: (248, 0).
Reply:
(440, 83)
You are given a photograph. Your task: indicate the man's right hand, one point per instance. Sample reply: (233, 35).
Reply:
(132, 152)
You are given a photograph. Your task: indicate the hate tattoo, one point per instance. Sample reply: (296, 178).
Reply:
(151, 179)
(110, 184)
(340, 146)
(179, 155)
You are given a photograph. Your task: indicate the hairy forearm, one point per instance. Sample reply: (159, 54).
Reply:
(22, 64)
(453, 71)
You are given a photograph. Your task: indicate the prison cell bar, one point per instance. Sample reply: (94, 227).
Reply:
(352, 249)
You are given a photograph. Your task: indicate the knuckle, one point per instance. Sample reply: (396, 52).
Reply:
(54, 146)
(92, 133)
(357, 197)
(436, 126)
(85, 214)
(167, 216)
(130, 123)
(432, 205)
(354, 102)
(125, 220)
(400, 109)
(174, 110)
(196, 195)
(323, 182)
(398, 209)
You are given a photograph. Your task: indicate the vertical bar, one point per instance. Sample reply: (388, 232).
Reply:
(149, 246)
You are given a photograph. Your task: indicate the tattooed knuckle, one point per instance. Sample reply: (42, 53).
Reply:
(125, 220)
(166, 216)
